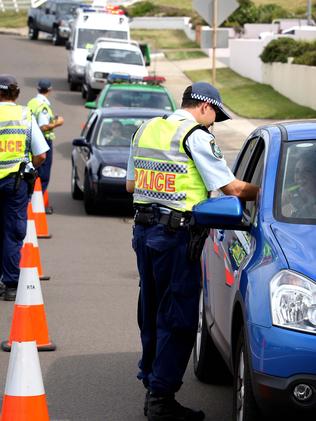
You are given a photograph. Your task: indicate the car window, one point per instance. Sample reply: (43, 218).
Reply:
(113, 55)
(87, 37)
(89, 126)
(244, 158)
(296, 192)
(142, 99)
(117, 131)
(250, 166)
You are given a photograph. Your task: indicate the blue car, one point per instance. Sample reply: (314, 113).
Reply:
(257, 316)
(99, 156)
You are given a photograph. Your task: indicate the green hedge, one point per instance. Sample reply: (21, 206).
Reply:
(279, 50)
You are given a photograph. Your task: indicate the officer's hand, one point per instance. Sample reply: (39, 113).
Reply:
(59, 121)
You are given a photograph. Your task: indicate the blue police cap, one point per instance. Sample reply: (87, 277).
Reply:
(45, 84)
(6, 81)
(205, 92)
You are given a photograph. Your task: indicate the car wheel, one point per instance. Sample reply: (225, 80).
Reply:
(57, 40)
(244, 404)
(32, 33)
(83, 92)
(76, 193)
(91, 95)
(88, 197)
(209, 366)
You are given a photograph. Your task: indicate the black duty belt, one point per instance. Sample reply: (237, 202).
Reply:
(152, 215)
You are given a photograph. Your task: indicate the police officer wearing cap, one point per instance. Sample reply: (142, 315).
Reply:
(41, 108)
(174, 164)
(22, 147)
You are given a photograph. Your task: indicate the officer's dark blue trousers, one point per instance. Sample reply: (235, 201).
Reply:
(45, 169)
(168, 305)
(13, 220)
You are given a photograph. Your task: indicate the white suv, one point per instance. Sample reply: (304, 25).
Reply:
(111, 56)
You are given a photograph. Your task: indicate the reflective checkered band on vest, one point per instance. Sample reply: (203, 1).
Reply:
(15, 131)
(160, 166)
(158, 195)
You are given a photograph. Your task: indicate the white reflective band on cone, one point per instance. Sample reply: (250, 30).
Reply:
(24, 376)
(31, 236)
(38, 202)
(29, 288)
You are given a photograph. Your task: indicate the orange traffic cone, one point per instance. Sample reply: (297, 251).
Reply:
(30, 252)
(46, 199)
(24, 396)
(39, 211)
(29, 320)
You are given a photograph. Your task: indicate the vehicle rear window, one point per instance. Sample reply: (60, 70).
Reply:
(141, 99)
(296, 195)
(87, 37)
(113, 55)
(117, 131)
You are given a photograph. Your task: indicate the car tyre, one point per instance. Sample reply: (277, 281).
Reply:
(33, 32)
(76, 193)
(57, 40)
(88, 197)
(208, 364)
(91, 95)
(245, 407)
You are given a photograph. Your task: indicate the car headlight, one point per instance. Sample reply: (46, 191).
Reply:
(293, 301)
(114, 172)
(100, 75)
(79, 69)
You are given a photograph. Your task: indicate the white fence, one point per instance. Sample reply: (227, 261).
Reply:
(16, 5)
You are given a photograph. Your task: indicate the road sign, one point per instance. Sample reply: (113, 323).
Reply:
(205, 9)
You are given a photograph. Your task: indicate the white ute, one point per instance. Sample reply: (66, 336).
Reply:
(111, 56)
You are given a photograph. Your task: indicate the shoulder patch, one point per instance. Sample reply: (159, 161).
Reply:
(216, 150)
(44, 111)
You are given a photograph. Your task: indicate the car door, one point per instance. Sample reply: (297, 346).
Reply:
(45, 16)
(233, 249)
(83, 153)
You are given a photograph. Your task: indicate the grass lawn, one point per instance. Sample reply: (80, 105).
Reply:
(250, 99)
(12, 19)
(184, 55)
(160, 39)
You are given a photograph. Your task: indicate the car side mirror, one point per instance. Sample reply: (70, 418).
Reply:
(81, 143)
(146, 53)
(91, 105)
(224, 212)
(89, 57)
(46, 11)
(68, 45)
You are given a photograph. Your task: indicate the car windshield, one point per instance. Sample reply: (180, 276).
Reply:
(141, 99)
(67, 8)
(87, 37)
(297, 192)
(118, 131)
(113, 55)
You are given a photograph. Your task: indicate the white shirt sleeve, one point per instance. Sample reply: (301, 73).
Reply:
(213, 168)
(43, 118)
(38, 142)
(130, 166)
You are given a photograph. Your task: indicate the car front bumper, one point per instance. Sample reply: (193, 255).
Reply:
(112, 190)
(276, 394)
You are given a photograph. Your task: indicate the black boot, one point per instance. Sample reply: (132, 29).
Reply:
(168, 409)
(10, 293)
(146, 403)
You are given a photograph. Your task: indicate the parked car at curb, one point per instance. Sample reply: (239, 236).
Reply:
(52, 17)
(99, 156)
(257, 314)
(125, 91)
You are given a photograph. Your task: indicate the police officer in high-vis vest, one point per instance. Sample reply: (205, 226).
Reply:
(22, 147)
(174, 164)
(41, 108)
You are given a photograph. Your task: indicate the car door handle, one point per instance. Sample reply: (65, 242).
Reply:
(220, 235)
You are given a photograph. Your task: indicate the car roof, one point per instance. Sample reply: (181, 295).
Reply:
(296, 130)
(132, 112)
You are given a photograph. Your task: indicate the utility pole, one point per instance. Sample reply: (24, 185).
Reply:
(309, 12)
(214, 44)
